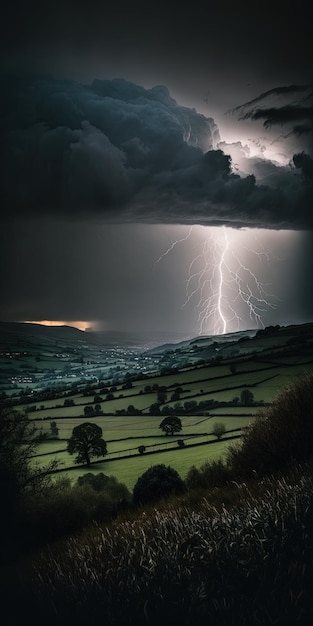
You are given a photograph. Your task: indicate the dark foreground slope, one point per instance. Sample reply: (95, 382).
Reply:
(240, 554)
(245, 563)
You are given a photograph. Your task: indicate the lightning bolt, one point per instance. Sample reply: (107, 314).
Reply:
(223, 288)
(221, 282)
(172, 246)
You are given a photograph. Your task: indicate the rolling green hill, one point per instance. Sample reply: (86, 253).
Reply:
(57, 375)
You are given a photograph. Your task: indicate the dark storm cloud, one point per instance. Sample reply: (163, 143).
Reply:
(298, 112)
(116, 150)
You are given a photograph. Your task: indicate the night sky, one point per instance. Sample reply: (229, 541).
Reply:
(157, 165)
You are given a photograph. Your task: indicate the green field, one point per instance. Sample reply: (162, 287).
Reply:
(128, 470)
(125, 434)
(263, 364)
(210, 383)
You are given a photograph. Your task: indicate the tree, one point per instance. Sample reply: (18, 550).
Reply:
(54, 431)
(19, 481)
(88, 411)
(97, 398)
(161, 395)
(171, 425)
(97, 409)
(218, 429)
(190, 406)
(247, 397)
(141, 449)
(127, 385)
(154, 409)
(100, 482)
(156, 483)
(131, 409)
(68, 402)
(86, 441)
(19, 439)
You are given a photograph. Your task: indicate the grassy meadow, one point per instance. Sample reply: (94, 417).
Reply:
(124, 434)
(263, 364)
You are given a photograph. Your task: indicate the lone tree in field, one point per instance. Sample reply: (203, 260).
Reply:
(219, 429)
(171, 425)
(86, 441)
(247, 397)
(54, 431)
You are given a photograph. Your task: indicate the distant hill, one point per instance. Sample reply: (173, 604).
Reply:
(150, 343)
(203, 340)
(13, 331)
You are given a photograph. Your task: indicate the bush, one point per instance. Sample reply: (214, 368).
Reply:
(100, 482)
(280, 435)
(219, 429)
(56, 513)
(64, 509)
(156, 483)
(210, 474)
(247, 397)
(171, 425)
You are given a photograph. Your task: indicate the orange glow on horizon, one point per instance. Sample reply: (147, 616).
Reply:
(80, 325)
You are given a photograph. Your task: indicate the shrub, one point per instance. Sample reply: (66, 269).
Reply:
(219, 429)
(64, 509)
(100, 482)
(171, 425)
(247, 397)
(156, 483)
(280, 434)
(210, 474)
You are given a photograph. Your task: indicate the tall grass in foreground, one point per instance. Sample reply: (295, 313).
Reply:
(249, 564)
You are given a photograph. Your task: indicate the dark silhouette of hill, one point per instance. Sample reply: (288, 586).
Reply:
(11, 331)
(144, 342)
